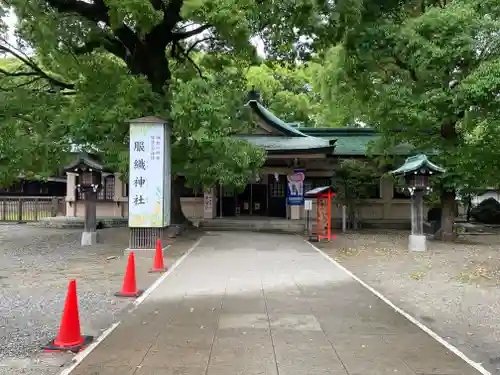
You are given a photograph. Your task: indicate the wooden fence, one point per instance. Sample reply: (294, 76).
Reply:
(23, 209)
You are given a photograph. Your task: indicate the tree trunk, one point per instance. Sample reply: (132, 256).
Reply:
(176, 214)
(448, 213)
(353, 220)
(469, 206)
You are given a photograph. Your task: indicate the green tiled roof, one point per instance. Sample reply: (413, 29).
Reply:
(352, 141)
(290, 139)
(416, 163)
(306, 143)
(353, 145)
(277, 123)
(85, 159)
(349, 141)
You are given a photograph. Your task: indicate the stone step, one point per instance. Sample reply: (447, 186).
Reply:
(283, 226)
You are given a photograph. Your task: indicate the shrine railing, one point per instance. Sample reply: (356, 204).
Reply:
(24, 209)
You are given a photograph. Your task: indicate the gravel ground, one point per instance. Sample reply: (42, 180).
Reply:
(36, 265)
(452, 288)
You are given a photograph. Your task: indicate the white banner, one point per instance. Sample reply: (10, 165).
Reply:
(146, 175)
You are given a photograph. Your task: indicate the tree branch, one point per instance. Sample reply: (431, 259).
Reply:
(110, 44)
(188, 34)
(198, 42)
(96, 11)
(17, 74)
(36, 69)
(186, 56)
(158, 4)
(401, 64)
(27, 83)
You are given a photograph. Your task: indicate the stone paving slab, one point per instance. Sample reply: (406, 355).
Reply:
(274, 306)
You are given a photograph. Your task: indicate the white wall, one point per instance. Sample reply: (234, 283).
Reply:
(489, 194)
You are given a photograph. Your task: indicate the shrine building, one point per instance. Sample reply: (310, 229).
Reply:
(292, 151)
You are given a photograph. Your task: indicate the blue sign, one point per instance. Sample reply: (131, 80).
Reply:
(295, 188)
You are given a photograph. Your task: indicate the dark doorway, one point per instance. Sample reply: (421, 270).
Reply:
(259, 199)
(277, 196)
(253, 200)
(228, 202)
(244, 202)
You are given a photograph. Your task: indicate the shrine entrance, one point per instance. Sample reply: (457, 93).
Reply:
(266, 199)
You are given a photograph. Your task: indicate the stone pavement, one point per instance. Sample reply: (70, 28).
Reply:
(262, 304)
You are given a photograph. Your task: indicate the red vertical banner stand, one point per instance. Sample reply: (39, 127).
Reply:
(323, 197)
(324, 215)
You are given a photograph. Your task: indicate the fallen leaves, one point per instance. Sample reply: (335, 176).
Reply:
(417, 275)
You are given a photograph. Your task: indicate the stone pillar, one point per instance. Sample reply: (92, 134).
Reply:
(71, 194)
(89, 234)
(417, 240)
(209, 204)
(117, 195)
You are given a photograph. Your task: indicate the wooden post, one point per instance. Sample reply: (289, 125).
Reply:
(36, 209)
(4, 210)
(20, 211)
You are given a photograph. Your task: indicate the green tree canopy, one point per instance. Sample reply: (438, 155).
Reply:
(427, 73)
(100, 62)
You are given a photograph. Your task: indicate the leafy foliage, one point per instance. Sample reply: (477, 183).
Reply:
(354, 181)
(288, 91)
(427, 74)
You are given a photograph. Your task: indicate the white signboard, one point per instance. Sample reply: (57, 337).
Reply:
(146, 175)
(308, 205)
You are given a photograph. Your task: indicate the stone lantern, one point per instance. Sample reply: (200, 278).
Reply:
(89, 184)
(416, 171)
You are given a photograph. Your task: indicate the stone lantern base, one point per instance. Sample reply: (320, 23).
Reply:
(89, 238)
(417, 242)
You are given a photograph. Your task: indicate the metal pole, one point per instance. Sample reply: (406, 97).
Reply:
(329, 215)
(344, 219)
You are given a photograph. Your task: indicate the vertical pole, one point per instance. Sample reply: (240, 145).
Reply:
(329, 215)
(419, 212)
(36, 209)
(344, 218)
(318, 211)
(54, 207)
(20, 211)
(414, 229)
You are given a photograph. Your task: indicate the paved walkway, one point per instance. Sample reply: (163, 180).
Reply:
(261, 304)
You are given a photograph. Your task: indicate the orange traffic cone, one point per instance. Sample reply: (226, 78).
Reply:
(129, 288)
(158, 265)
(69, 337)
